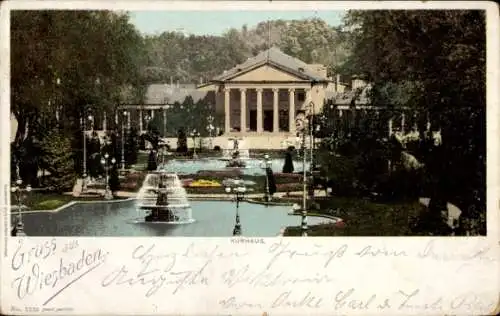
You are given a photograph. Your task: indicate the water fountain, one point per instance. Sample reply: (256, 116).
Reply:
(235, 145)
(236, 161)
(164, 199)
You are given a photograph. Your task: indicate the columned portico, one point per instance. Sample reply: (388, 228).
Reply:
(262, 95)
(264, 108)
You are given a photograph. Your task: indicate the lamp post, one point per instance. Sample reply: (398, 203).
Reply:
(266, 164)
(108, 195)
(84, 123)
(19, 228)
(194, 134)
(311, 148)
(210, 128)
(125, 116)
(302, 127)
(239, 194)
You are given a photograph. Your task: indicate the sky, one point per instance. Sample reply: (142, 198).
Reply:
(217, 22)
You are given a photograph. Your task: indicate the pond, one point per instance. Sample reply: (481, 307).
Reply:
(212, 219)
(253, 166)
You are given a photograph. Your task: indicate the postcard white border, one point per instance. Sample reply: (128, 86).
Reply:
(451, 275)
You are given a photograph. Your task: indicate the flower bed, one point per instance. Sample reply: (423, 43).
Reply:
(203, 183)
(186, 182)
(132, 182)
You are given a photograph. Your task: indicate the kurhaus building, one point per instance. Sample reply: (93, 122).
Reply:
(263, 94)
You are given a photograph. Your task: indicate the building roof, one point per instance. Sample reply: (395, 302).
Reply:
(275, 57)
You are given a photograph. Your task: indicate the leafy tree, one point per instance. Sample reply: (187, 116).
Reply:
(28, 156)
(57, 160)
(433, 61)
(77, 65)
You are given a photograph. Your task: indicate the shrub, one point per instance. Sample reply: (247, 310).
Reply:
(288, 165)
(114, 181)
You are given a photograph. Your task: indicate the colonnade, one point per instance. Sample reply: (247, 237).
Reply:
(259, 91)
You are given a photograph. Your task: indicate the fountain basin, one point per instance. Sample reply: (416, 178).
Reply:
(211, 219)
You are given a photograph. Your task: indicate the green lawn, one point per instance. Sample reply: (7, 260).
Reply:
(364, 218)
(50, 201)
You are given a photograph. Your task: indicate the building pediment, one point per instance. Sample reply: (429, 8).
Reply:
(268, 73)
(271, 65)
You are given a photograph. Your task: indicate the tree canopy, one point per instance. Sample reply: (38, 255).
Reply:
(66, 65)
(174, 56)
(435, 62)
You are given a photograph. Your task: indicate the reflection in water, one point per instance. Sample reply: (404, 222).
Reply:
(213, 219)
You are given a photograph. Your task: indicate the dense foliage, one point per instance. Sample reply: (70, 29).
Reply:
(433, 62)
(66, 65)
(174, 56)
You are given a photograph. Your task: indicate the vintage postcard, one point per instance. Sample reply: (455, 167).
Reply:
(249, 158)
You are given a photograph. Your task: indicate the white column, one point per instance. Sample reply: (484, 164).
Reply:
(128, 120)
(276, 128)
(140, 121)
(390, 127)
(259, 110)
(116, 118)
(340, 112)
(291, 110)
(227, 110)
(243, 109)
(104, 123)
(152, 114)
